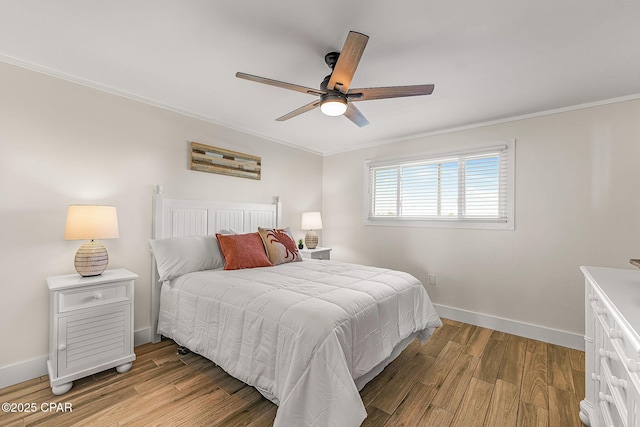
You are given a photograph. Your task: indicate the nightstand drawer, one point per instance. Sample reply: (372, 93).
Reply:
(75, 299)
(317, 253)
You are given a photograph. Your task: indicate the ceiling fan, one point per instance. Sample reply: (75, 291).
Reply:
(335, 98)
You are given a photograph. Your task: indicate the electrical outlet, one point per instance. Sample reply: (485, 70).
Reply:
(432, 279)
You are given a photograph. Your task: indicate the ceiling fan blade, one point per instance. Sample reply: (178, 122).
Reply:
(367, 94)
(355, 116)
(348, 61)
(280, 84)
(299, 111)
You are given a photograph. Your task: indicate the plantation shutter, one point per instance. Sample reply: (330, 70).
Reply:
(463, 186)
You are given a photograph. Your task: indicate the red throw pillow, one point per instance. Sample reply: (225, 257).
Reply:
(243, 251)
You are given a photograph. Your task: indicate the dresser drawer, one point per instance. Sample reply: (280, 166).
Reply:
(601, 311)
(609, 417)
(75, 299)
(616, 383)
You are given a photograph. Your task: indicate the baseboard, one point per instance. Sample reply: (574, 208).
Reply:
(536, 332)
(141, 336)
(23, 371)
(34, 368)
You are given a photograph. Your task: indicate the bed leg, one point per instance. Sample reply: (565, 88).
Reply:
(182, 350)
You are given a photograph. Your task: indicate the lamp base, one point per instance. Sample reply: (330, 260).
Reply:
(91, 259)
(311, 239)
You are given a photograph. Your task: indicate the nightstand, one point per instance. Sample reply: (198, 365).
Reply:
(317, 253)
(91, 326)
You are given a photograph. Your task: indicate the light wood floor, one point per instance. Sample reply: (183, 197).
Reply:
(464, 376)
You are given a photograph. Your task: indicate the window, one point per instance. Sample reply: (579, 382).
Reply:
(470, 188)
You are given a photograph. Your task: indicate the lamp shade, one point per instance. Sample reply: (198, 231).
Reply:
(88, 222)
(311, 221)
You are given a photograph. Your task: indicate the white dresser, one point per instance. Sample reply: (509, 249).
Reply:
(612, 347)
(91, 326)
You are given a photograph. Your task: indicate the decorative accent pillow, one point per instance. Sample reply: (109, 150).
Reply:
(280, 245)
(243, 251)
(176, 256)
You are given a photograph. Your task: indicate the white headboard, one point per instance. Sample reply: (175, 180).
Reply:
(182, 217)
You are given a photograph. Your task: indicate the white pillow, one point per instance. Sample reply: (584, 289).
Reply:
(228, 232)
(176, 256)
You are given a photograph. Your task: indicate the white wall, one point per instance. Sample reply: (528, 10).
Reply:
(577, 204)
(63, 143)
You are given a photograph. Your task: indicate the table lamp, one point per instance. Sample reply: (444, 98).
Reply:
(311, 221)
(87, 222)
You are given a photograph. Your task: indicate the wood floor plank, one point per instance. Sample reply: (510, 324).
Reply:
(15, 392)
(491, 360)
(233, 405)
(530, 415)
(473, 409)
(478, 341)
(503, 409)
(453, 388)
(577, 359)
(436, 417)
(375, 386)
(249, 415)
(534, 382)
(166, 389)
(559, 368)
(512, 367)
(375, 417)
(465, 332)
(535, 346)
(563, 408)
(265, 420)
(500, 336)
(452, 322)
(436, 373)
(392, 395)
(439, 339)
(578, 382)
(413, 407)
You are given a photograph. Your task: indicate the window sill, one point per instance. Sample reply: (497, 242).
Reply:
(442, 223)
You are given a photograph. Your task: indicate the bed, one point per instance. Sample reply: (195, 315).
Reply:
(307, 335)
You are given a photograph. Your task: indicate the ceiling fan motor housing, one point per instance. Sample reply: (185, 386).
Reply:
(331, 58)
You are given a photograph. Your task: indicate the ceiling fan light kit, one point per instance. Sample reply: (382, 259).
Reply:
(333, 104)
(336, 98)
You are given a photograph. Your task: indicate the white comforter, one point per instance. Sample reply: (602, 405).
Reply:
(300, 333)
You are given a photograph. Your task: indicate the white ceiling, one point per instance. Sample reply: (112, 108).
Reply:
(489, 60)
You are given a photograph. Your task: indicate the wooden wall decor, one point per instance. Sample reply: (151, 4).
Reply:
(205, 158)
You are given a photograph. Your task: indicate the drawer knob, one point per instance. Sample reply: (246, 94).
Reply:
(617, 382)
(615, 333)
(62, 347)
(605, 397)
(632, 365)
(97, 296)
(608, 354)
(595, 377)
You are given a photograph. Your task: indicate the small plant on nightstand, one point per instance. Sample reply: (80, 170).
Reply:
(300, 245)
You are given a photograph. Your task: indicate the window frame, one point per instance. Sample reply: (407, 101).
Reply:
(509, 151)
